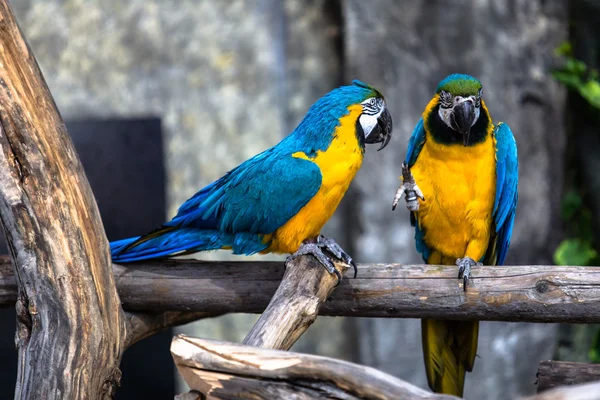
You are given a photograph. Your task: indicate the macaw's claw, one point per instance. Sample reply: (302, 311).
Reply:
(410, 187)
(316, 247)
(464, 269)
(335, 249)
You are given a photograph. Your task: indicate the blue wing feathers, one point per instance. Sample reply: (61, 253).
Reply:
(507, 176)
(254, 199)
(415, 143)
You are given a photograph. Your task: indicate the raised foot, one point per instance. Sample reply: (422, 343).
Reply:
(316, 247)
(410, 188)
(464, 269)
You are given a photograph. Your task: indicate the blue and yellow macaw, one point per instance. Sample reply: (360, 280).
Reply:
(278, 201)
(460, 180)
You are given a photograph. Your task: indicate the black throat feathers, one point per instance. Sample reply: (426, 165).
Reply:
(443, 134)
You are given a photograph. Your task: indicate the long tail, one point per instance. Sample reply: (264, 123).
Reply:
(169, 241)
(449, 349)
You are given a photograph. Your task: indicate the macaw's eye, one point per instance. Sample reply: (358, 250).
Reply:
(372, 101)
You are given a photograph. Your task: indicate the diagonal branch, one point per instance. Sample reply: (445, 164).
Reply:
(295, 305)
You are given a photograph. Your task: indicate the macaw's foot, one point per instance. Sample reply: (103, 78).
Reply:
(464, 269)
(410, 187)
(316, 247)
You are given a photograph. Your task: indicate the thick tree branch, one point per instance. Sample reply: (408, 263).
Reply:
(68, 312)
(223, 370)
(295, 305)
(508, 293)
(561, 373)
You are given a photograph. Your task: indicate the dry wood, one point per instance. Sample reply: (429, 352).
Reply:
(223, 370)
(295, 305)
(561, 373)
(588, 391)
(535, 293)
(68, 313)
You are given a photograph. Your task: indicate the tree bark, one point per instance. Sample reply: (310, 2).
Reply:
(305, 286)
(222, 370)
(70, 327)
(561, 373)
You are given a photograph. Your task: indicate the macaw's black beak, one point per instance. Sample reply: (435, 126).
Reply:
(462, 118)
(382, 132)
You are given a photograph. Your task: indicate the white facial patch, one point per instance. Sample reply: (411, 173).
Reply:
(372, 109)
(367, 122)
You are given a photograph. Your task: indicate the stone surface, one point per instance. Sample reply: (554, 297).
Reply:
(404, 49)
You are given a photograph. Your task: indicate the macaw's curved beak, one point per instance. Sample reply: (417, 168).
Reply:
(462, 118)
(382, 132)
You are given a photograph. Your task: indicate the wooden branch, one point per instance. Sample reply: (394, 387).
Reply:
(507, 293)
(295, 305)
(223, 370)
(70, 327)
(588, 391)
(561, 373)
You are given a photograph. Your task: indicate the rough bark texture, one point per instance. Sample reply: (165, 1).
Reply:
(224, 370)
(405, 48)
(69, 315)
(305, 286)
(562, 373)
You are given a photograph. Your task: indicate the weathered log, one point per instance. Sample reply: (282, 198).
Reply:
(503, 293)
(587, 391)
(295, 305)
(562, 373)
(226, 370)
(68, 311)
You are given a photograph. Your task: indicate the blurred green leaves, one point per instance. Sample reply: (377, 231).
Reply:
(576, 75)
(575, 252)
(578, 249)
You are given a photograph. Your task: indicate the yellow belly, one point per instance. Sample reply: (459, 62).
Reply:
(338, 164)
(459, 185)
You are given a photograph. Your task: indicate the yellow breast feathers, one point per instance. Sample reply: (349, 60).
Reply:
(459, 185)
(338, 164)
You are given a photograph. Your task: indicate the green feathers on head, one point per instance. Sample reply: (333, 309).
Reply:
(374, 92)
(460, 85)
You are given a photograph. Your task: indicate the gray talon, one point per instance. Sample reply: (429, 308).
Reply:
(335, 249)
(464, 269)
(316, 249)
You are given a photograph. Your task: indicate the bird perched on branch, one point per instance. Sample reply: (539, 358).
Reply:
(278, 201)
(460, 182)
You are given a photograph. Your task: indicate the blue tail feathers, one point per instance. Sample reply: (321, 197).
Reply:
(183, 240)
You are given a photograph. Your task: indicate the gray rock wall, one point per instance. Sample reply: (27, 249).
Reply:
(231, 78)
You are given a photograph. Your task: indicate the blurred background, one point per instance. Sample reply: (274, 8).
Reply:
(163, 97)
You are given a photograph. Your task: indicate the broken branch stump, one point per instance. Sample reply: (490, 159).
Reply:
(295, 305)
